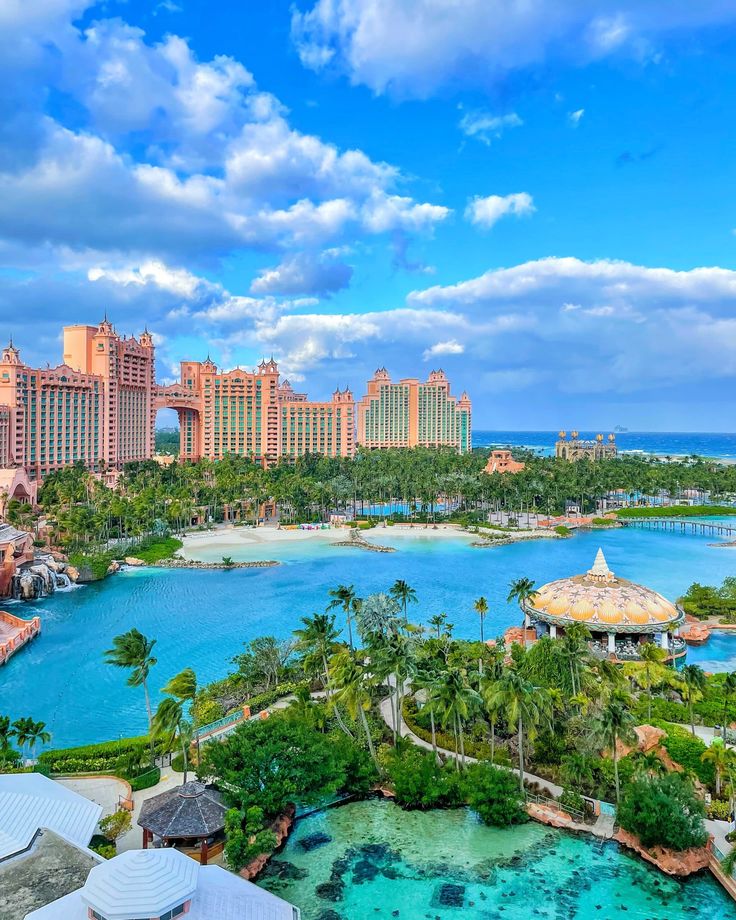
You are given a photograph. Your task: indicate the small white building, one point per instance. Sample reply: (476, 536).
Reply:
(164, 884)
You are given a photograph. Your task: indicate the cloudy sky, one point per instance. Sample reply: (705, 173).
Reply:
(538, 197)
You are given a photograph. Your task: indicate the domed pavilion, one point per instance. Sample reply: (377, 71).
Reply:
(620, 615)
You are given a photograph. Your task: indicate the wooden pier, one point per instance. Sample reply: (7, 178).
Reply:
(15, 633)
(679, 525)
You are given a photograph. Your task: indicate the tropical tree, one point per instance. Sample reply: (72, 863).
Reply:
(7, 732)
(653, 658)
(522, 591)
(403, 594)
(183, 686)
(693, 684)
(729, 688)
(28, 733)
(437, 621)
(394, 660)
(378, 616)
(574, 651)
(613, 723)
(524, 705)
(352, 681)
(317, 640)
(481, 608)
(344, 596)
(133, 651)
(454, 702)
(169, 724)
(719, 755)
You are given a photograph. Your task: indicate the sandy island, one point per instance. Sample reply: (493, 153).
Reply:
(265, 541)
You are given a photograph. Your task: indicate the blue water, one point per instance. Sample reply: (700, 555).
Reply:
(661, 443)
(202, 618)
(370, 859)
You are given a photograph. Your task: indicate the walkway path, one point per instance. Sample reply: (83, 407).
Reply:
(387, 713)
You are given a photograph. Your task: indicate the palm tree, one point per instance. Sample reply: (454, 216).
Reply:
(729, 688)
(693, 678)
(317, 639)
(351, 677)
(169, 723)
(344, 596)
(719, 755)
(522, 591)
(29, 733)
(524, 705)
(6, 733)
(393, 658)
(403, 594)
(437, 621)
(183, 686)
(427, 681)
(653, 657)
(573, 649)
(615, 723)
(133, 650)
(454, 702)
(378, 615)
(481, 608)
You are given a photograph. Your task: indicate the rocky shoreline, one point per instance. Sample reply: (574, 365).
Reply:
(196, 564)
(356, 540)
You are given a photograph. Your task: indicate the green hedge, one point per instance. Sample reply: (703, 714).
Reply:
(677, 511)
(146, 780)
(687, 750)
(156, 548)
(481, 750)
(90, 757)
(263, 700)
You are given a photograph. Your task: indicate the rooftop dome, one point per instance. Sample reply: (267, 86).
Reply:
(141, 883)
(601, 600)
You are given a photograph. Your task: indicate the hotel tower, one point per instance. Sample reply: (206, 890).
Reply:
(97, 407)
(413, 414)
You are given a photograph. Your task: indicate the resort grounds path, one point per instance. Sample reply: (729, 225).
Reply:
(387, 713)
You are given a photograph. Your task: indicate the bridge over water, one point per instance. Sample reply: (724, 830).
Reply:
(680, 525)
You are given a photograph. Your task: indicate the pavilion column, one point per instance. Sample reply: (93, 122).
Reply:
(146, 837)
(663, 640)
(203, 853)
(612, 643)
(553, 631)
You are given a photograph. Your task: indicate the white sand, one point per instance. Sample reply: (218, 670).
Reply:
(255, 542)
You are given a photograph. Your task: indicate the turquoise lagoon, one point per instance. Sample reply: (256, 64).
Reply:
(370, 859)
(202, 618)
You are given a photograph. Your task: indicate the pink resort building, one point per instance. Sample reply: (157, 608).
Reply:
(254, 414)
(501, 461)
(97, 407)
(414, 414)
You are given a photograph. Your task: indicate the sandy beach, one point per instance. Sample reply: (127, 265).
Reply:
(273, 543)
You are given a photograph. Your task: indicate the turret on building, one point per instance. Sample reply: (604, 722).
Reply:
(575, 448)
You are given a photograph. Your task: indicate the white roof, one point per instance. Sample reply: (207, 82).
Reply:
(220, 895)
(29, 801)
(140, 883)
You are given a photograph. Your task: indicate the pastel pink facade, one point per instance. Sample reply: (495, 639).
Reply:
(412, 413)
(97, 407)
(253, 414)
(501, 461)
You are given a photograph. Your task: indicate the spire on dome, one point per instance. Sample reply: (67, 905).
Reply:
(600, 570)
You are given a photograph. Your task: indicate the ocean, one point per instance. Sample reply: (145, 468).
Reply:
(661, 443)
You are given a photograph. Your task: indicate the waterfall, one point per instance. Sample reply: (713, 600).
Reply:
(62, 581)
(39, 578)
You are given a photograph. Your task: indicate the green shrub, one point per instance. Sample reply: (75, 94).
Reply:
(146, 780)
(687, 751)
(663, 810)
(495, 795)
(719, 810)
(113, 826)
(572, 800)
(419, 781)
(154, 549)
(91, 566)
(562, 530)
(263, 700)
(246, 837)
(105, 850)
(92, 758)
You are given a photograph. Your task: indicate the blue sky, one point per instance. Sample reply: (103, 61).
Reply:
(537, 197)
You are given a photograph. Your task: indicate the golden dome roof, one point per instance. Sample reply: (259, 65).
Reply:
(600, 598)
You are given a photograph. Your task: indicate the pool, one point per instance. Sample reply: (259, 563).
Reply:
(371, 859)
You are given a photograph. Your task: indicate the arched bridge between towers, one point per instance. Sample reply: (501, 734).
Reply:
(188, 406)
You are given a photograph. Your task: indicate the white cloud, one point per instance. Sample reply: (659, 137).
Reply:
(177, 281)
(450, 347)
(310, 273)
(168, 157)
(486, 127)
(575, 117)
(413, 47)
(485, 212)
